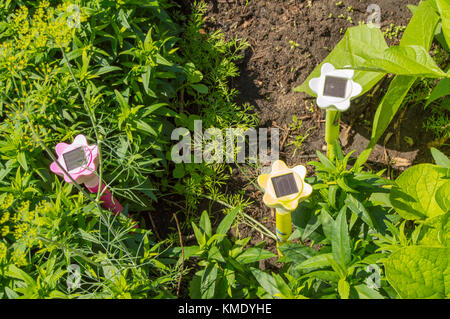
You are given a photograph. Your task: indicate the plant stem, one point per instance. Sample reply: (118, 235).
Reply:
(331, 131)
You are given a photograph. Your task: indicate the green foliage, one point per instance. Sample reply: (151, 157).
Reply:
(226, 265)
(364, 49)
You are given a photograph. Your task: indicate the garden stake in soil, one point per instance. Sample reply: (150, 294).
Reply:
(334, 89)
(284, 188)
(80, 161)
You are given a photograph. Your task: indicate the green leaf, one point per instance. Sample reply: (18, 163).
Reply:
(200, 88)
(443, 197)
(205, 223)
(412, 60)
(444, 10)
(436, 231)
(318, 261)
(441, 89)
(420, 272)
(106, 69)
(414, 195)
(386, 111)
(440, 158)
(343, 288)
(208, 284)
(297, 253)
(201, 238)
(254, 254)
(17, 273)
(226, 223)
(340, 243)
(266, 281)
(365, 292)
(146, 76)
(359, 45)
(358, 208)
(420, 29)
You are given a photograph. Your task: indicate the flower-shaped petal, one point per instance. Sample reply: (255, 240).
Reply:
(335, 102)
(290, 201)
(263, 179)
(279, 166)
(80, 174)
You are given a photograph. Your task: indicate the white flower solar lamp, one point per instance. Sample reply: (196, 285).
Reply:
(335, 88)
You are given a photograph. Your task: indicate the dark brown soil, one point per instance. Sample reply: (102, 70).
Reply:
(272, 67)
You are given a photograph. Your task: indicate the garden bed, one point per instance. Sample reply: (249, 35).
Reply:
(288, 39)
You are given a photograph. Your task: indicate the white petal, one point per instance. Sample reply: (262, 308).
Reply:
(326, 68)
(300, 170)
(343, 106)
(356, 89)
(322, 102)
(314, 85)
(80, 139)
(307, 190)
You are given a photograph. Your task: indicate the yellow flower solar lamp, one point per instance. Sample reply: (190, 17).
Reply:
(284, 188)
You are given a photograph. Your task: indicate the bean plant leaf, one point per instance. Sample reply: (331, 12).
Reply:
(442, 89)
(440, 158)
(359, 45)
(420, 272)
(412, 60)
(444, 10)
(419, 32)
(421, 28)
(414, 195)
(436, 231)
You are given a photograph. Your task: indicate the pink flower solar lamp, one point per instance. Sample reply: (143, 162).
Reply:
(80, 160)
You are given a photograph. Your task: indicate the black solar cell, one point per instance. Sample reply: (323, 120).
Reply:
(74, 158)
(284, 185)
(335, 86)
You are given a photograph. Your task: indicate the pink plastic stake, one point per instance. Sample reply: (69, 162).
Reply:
(80, 160)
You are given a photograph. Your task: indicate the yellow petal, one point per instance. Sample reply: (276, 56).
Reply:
(269, 200)
(278, 166)
(307, 190)
(262, 180)
(291, 205)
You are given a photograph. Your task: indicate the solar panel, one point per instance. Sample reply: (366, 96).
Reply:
(335, 86)
(75, 158)
(284, 185)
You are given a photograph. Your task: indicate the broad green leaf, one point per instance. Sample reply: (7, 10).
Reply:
(414, 195)
(386, 111)
(440, 158)
(359, 45)
(340, 243)
(420, 31)
(254, 254)
(200, 88)
(226, 223)
(327, 223)
(208, 284)
(266, 281)
(436, 231)
(421, 27)
(420, 272)
(444, 10)
(441, 89)
(412, 60)
(443, 197)
(365, 292)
